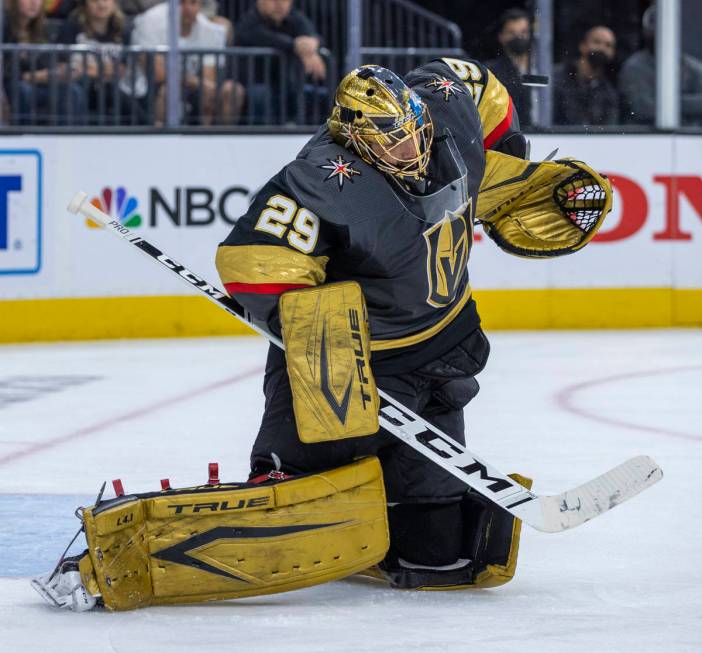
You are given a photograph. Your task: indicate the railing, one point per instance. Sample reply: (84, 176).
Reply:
(403, 60)
(386, 23)
(399, 24)
(385, 20)
(53, 85)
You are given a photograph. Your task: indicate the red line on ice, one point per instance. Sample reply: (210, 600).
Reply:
(139, 412)
(565, 400)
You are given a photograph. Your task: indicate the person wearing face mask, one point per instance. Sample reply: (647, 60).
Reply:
(582, 91)
(637, 81)
(514, 37)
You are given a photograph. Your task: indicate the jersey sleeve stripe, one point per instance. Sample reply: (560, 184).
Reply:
(501, 129)
(263, 288)
(261, 266)
(495, 108)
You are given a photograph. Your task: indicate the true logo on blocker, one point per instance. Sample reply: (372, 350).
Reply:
(20, 211)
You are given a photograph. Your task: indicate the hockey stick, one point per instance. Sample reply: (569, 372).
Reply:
(549, 514)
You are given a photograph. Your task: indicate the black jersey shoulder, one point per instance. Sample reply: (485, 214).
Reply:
(336, 184)
(450, 105)
(443, 90)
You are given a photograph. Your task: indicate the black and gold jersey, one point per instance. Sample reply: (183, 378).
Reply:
(328, 216)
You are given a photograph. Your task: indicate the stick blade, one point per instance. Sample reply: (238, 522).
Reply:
(574, 507)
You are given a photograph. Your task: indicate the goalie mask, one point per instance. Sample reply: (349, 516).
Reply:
(381, 119)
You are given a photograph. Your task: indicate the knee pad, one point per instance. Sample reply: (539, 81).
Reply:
(491, 538)
(425, 534)
(470, 544)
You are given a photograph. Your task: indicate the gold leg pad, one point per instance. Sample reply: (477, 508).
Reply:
(221, 542)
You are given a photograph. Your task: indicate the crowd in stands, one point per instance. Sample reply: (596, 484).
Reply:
(72, 88)
(589, 88)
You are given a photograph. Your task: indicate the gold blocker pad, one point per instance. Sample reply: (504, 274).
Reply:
(327, 353)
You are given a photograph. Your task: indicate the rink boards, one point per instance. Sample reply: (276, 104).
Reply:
(63, 279)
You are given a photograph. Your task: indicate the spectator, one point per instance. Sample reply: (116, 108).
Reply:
(514, 37)
(134, 7)
(637, 81)
(215, 100)
(582, 91)
(209, 8)
(40, 87)
(101, 24)
(59, 8)
(276, 24)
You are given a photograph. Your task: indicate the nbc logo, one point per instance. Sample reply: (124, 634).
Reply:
(118, 206)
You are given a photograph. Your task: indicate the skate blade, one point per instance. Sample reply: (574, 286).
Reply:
(45, 593)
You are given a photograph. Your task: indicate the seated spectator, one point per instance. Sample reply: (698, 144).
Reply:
(514, 37)
(134, 7)
(637, 81)
(59, 8)
(101, 24)
(42, 92)
(276, 24)
(582, 91)
(214, 100)
(211, 10)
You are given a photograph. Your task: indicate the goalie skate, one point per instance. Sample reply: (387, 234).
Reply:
(63, 588)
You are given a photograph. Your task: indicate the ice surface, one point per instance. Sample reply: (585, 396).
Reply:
(560, 407)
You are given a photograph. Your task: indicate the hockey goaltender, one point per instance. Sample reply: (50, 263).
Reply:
(356, 254)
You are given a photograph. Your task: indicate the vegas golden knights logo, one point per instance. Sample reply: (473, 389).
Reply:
(448, 245)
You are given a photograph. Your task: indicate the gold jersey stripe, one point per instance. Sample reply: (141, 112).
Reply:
(493, 105)
(421, 336)
(269, 264)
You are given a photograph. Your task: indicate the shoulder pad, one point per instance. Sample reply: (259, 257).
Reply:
(497, 116)
(438, 83)
(435, 67)
(449, 100)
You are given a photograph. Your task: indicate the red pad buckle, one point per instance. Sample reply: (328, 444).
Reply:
(119, 489)
(213, 469)
(165, 484)
(273, 475)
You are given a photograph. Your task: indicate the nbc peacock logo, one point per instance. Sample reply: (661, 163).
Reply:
(118, 205)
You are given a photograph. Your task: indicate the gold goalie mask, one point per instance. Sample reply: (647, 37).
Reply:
(380, 118)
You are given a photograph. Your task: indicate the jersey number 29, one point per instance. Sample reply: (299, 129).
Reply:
(277, 217)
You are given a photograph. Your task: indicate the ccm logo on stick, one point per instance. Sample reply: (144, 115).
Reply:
(459, 459)
(190, 277)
